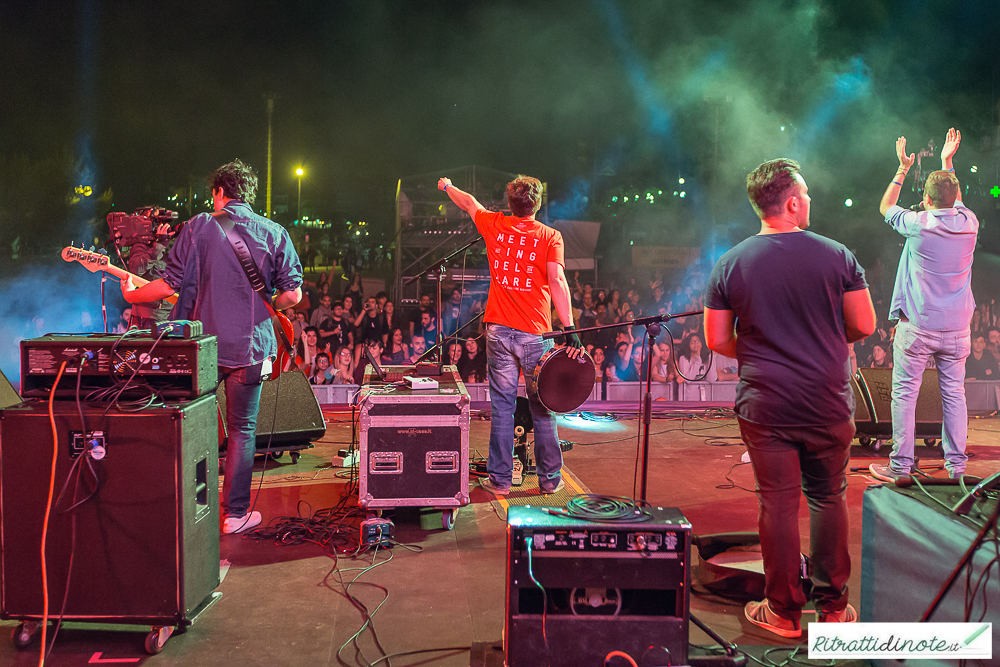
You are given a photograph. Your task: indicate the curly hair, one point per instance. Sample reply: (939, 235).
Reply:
(524, 196)
(770, 185)
(237, 179)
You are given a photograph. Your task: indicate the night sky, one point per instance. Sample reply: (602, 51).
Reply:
(595, 97)
(156, 94)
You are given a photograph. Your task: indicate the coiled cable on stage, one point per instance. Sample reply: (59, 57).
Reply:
(595, 507)
(598, 416)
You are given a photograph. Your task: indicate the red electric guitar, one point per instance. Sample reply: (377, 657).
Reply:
(95, 261)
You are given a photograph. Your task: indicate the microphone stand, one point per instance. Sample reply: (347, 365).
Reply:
(440, 268)
(652, 324)
(462, 328)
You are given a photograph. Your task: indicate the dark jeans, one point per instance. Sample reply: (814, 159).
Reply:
(789, 461)
(242, 404)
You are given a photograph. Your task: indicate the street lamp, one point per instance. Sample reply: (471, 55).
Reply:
(298, 209)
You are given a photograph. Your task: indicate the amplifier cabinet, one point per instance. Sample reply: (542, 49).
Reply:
(147, 540)
(178, 368)
(608, 586)
(415, 445)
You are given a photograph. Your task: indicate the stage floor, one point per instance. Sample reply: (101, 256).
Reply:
(285, 605)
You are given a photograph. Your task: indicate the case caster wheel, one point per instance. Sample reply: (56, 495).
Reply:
(930, 442)
(157, 638)
(25, 633)
(448, 518)
(864, 440)
(294, 456)
(277, 455)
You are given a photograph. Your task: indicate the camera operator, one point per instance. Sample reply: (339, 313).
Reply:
(144, 234)
(146, 261)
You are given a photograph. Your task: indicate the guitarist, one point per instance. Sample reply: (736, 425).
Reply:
(212, 287)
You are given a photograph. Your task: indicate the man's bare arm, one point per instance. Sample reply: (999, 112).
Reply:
(720, 331)
(151, 291)
(948, 151)
(560, 292)
(287, 299)
(859, 315)
(462, 199)
(891, 195)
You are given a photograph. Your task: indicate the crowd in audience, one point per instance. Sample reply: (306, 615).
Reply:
(983, 362)
(331, 331)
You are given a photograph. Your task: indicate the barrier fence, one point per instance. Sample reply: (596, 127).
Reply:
(982, 396)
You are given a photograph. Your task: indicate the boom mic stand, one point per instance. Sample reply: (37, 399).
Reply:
(652, 324)
(440, 268)
(454, 336)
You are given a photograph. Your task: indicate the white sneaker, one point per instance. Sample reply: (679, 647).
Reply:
(238, 524)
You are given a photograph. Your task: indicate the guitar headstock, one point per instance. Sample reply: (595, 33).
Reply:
(92, 261)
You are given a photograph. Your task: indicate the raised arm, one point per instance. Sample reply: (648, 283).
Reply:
(891, 195)
(462, 199)
(948, 151)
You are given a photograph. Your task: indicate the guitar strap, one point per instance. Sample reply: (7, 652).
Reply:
(245, 259)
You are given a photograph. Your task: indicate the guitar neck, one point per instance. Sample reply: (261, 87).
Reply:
(94, 262)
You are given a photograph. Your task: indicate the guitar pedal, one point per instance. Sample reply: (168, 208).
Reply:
(177, 329)
(518, 475)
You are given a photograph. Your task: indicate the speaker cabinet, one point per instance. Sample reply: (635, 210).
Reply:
(614, 586)
(147, 540)
(873, 414)
(289, 411)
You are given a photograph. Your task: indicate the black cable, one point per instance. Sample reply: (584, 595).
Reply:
(732, 484)
(545, 601)
(596, 507)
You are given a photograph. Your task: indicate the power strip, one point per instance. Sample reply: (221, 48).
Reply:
(377, 531)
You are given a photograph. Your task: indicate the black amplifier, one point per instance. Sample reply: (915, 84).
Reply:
(175, 368)
(596, 587)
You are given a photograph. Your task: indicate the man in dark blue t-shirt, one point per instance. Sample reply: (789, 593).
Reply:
(785, 303)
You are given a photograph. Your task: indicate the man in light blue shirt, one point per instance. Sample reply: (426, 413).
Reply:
(933, 301)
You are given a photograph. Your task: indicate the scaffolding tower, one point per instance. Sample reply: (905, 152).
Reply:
(429, 226)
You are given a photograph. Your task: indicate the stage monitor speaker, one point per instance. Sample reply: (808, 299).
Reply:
(289, 411)
(8, 395)
(146, 540)
(862, 409)
(911, 541)
(875, 385)
(608, 586)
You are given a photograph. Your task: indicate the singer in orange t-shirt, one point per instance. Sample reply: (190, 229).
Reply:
(526, 279)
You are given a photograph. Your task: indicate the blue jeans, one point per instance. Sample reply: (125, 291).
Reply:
(787, 462)
(242, 404)
(508, 352)
(911, 349)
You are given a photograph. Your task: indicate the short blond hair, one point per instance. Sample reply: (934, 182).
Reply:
(942, 187)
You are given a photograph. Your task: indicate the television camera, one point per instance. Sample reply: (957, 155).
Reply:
(140, 226)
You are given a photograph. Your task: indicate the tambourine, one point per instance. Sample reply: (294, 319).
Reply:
(563, 384)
